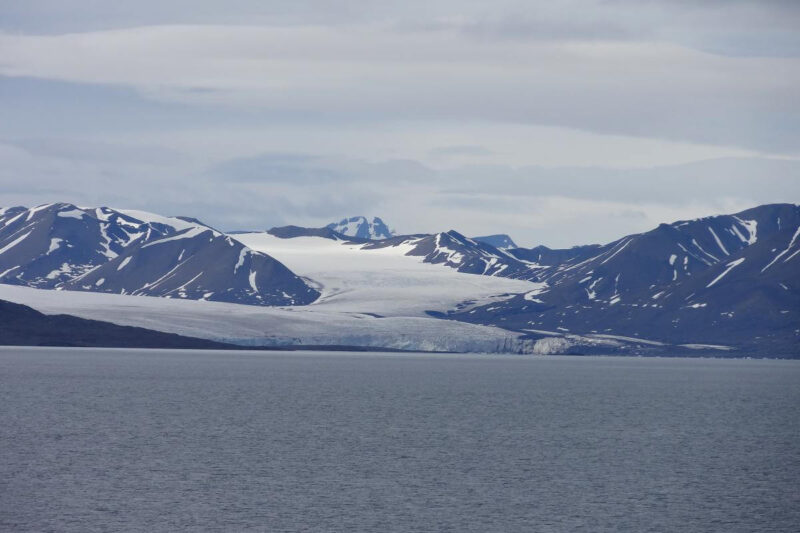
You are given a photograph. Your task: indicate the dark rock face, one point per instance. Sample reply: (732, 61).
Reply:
(22, 326)
(290, 232)
(500, 241)
(362, 228)
(731, 279)
(61, 246)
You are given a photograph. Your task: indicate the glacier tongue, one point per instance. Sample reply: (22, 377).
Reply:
(271, 326)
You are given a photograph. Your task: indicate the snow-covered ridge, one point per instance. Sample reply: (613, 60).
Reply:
(699, 282)
(65, 247)
(363, 228)
(674, 285)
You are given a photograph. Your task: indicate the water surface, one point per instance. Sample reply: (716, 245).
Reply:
(132, 440)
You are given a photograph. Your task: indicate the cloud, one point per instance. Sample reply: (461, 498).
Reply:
(558, 122)
(462, 150)
(559, 206)
(80, 149)
(371, 72)
(728, 27)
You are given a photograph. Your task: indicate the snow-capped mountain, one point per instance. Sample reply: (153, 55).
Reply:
(731, 279)
(461, 253)
(362, 228)
(61, 246)
(712, 284)
(500, 241)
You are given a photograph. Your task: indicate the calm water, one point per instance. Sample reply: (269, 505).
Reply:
(124, 440)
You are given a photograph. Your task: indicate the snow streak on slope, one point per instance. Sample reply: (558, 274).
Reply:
(731, 266)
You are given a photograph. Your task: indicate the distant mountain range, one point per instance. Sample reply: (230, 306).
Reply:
(716, 283)
(362, 228)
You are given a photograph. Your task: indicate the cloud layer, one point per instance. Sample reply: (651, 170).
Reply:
(373, 72)
(558, 122)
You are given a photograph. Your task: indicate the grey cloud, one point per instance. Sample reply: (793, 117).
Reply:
(651, 90)
(758, 180)
(554, 206)
(304, 169)
(78, 149)
(460, 150)
(347, 83)
(724, 26)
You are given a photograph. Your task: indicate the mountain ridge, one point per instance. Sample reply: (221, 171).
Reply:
(64, 247)
(725, 280)
(363, 228)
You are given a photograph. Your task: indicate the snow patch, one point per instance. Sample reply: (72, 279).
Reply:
(706, 347)
(791, 244)
(615, 253)
(240, 262)
(731, 266)
(124, 262)
(188, 234)
(719, 242)
(751, 226)
(55, 243)
(14, 243)
(72, 213)
(626, 339)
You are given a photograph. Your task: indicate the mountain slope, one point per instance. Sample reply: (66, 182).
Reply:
(61, 246)
(731, 279)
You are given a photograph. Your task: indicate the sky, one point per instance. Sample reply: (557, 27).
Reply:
(559, 123)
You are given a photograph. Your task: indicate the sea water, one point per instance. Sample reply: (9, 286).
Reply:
(157, 440)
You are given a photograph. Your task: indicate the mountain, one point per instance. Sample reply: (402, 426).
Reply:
(449, 248)
(501, 241)
(730, 279)
(727, 284)
(63, 247)
(362, 228)
(461, 253)
(290, 232)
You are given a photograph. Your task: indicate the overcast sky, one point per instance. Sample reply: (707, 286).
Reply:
(560, 123)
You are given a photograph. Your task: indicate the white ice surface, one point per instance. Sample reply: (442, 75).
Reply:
(383, 281)
(369, 298)
(265, 326)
